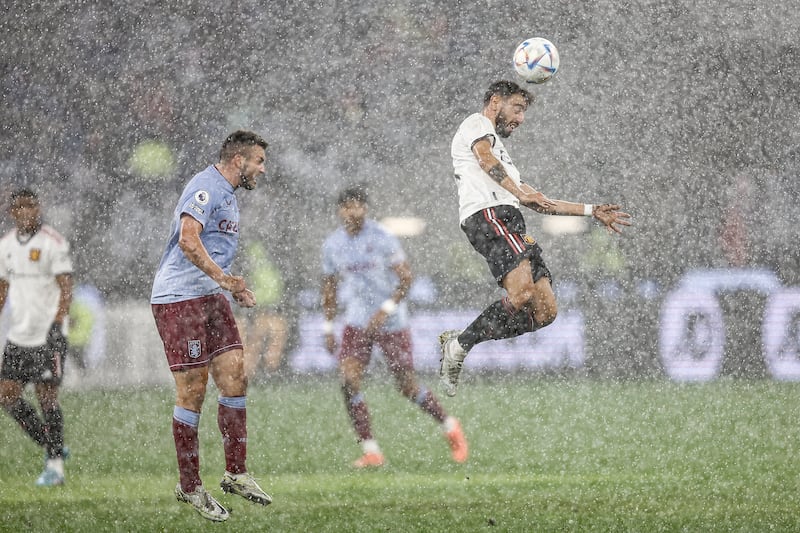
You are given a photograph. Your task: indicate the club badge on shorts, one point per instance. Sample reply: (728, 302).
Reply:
(528, 239)
(194, 349)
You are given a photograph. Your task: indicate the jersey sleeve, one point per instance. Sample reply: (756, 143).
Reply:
(61, 262)
(476, 128)
(197, 203)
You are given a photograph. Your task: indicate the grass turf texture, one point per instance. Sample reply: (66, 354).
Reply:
(546, 455)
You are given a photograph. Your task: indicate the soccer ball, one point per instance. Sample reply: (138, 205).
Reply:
(536, 60)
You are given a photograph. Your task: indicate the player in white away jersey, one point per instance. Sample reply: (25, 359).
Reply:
(36, 277)
(365, 269)
(490, 194)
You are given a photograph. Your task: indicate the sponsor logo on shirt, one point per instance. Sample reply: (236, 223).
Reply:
(364, 266)
(229, 226)
(35, 254)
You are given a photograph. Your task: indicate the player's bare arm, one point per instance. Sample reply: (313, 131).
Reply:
(329, 305)
(494, 168)
(64, 282)
(3, 292)
(329, 302)
(191, 245)
(403, 271)
(607, 214)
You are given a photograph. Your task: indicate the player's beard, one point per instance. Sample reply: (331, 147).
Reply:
(501, 126)
(246, 182)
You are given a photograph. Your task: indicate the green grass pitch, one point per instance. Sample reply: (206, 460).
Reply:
(547, 454)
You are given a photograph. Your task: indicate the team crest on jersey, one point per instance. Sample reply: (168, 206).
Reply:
(201, 197)
(194, 349)
(35, 254)
(505, 158)
(528, 239)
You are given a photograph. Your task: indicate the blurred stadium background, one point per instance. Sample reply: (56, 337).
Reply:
(685, 113)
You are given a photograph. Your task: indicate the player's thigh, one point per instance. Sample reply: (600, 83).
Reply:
(545, 307)
(397, 351)
(356, 344)
(524, 291)
(182, 328)
(519, 284)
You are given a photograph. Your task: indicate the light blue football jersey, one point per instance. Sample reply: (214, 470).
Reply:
(364, 264)
(210, 199)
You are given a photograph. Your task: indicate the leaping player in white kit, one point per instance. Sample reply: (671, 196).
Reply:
(490, 193)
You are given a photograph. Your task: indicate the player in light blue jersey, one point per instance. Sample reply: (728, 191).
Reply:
(365, 269)
(196, 323)
(178, 278)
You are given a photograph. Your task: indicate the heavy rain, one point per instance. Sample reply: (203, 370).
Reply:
(684, 113)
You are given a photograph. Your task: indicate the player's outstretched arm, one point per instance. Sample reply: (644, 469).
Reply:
(329, 305)
(608, 214)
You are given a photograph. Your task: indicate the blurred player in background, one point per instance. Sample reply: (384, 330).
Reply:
(263, 327)
(36, 276)
(364, 265)
(490, 193)
(196, 322)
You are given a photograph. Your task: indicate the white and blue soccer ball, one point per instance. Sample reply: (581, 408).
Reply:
(536, 60)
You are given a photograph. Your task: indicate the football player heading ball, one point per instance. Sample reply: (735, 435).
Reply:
(490, 193)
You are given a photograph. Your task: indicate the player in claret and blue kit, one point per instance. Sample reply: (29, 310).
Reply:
(365, 268)
(196, 324)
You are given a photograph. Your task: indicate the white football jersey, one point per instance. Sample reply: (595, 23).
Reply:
(30, 268)
(476, 189)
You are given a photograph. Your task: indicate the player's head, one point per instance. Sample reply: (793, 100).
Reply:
(246, 151)
(352, 204)
(506, 102)
(25, 211)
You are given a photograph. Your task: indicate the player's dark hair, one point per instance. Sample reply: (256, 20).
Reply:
(237, 142)
(505, 89)
(24, 192)
(358, 193)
